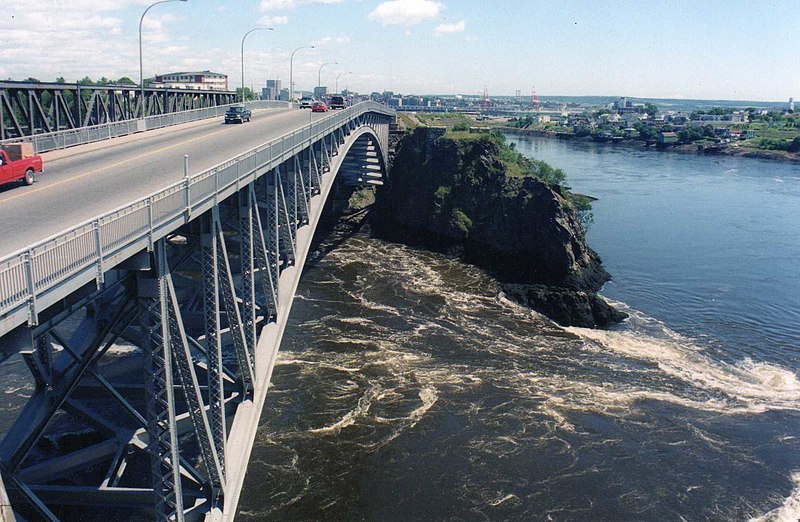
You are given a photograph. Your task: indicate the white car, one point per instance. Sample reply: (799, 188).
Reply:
(306, 103)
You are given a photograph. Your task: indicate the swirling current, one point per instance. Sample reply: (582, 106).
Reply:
(408, 388)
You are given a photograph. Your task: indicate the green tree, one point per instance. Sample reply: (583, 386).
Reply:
(248, 94)
(60, 79)
(651, 109)
(646, 132)
(794, 146)
(582, 131)
(125, 80)
(691, 134)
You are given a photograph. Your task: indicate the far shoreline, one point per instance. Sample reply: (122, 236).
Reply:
(689, 148)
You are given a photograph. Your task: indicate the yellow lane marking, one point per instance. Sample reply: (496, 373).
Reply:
(113, 165)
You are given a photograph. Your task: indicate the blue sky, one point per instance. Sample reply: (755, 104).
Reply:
(734, 49)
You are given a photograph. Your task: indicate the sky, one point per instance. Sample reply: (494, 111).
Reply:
(691, 49)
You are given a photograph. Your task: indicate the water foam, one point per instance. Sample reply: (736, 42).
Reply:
(361, 409)
(745, 387)
(790, 510)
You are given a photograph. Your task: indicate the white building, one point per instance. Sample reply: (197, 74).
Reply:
(198, 81)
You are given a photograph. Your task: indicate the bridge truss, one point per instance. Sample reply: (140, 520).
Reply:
(28, 108)
(148, 382)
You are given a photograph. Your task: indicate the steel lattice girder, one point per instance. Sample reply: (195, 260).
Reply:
(27, 108)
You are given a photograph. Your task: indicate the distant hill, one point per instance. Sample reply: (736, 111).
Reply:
(662, 103)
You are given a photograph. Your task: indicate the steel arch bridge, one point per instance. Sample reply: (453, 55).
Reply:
(151, 332)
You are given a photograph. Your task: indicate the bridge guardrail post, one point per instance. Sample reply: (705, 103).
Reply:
(98, 241)
(149, 202)
(30, 280)
(216, 187)
(186, 186)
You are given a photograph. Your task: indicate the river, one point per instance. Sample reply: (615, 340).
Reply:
(408, 388)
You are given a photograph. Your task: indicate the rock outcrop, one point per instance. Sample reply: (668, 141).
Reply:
(458, 196)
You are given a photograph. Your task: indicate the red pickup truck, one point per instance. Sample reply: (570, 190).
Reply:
(18, 163)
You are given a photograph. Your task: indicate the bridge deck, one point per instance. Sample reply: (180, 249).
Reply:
(85, 181)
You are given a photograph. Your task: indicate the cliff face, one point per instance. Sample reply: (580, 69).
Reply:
(456, 195)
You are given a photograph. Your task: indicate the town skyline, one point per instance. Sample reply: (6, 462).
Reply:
(672, 50)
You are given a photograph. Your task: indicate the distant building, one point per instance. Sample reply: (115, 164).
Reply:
(320, 92)
(284, 95)
(668, 137)
(633, 117)
(272, 91)
(791, 104)
(739, 117)
(199, 81)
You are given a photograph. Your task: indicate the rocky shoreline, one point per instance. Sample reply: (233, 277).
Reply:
(455, 195)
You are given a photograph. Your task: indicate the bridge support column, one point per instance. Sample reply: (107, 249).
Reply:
(213, 341)
(162, 429)
(286, 231)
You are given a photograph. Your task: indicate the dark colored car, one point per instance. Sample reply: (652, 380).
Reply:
(319, 107)
(238, 113)
(338, 102)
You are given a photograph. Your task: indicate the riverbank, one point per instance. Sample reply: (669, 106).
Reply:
(733, 150)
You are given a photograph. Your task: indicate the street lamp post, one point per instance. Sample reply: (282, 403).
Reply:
(141, 63)
(337, 80)
(243, 37)
(319, 74)
(291, 83)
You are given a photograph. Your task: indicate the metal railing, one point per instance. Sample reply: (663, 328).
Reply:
(85, 251)
(72, 137)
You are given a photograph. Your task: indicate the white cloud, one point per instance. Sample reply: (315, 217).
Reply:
(274, 20)
(50, 38)
(285, 5)
(277, 5)
(471, 38)
(459, 27)
(406, 12)
(326, 40)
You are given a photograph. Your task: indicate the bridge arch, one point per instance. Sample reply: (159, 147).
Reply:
(193, 285)
(365, 158)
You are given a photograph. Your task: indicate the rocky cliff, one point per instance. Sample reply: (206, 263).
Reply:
(460, 195)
